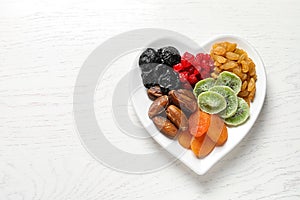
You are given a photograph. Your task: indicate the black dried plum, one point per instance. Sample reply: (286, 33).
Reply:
(148, 67)
(169, 55)
(149, 56)
(149, 78)
(161, 69)
(163, 76)
(167, 78)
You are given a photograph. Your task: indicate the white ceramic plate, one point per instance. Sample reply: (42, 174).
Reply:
(235, 135)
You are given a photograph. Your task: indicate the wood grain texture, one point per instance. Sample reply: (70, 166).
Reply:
(42, 47)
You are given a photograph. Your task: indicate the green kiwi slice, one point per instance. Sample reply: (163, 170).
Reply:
(241, 115)
(211, 102)
(231, 100)
(203, 86)
(231, 80)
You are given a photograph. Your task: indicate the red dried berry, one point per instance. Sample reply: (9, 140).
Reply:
(192, 79)
(198, 76)
(203, 63)
(198, 58)
(185, 64)
(191, 70)
(188, 56)
(206, 57)
(196, 72)
(211, 63)
(178, 67)
(198, 67)
(206, 67)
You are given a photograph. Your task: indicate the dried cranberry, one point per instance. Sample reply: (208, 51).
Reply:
(202, 63)
(192, 79)
(211, 63)
(178, 67)
(206, 57)
(199, 76)
(196, 72)
(188, 56)
(185, 64)
(191, 70)
(199, 56)
(206, 67)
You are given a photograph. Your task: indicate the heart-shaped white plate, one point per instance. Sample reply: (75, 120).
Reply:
(141, 104)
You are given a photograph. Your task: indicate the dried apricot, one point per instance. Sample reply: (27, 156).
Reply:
(202, 146)
(199, 123)
(215, 128)
(185, 139)
(223, 136)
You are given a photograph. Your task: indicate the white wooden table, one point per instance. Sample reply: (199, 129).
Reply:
(42, 47)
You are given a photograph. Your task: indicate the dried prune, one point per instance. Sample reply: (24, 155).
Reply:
(149, 56)
(169, 55)
(149, 78)
(163, 76)
(167, 78)
(148, 67)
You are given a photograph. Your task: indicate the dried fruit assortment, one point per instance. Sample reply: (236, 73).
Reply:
(195, 98)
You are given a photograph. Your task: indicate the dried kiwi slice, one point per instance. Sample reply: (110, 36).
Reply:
(241, 115)
(231, 100)
(231, 80)
(203, 86)
(211, 102)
